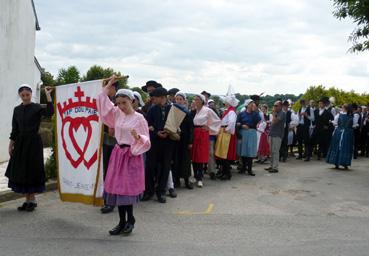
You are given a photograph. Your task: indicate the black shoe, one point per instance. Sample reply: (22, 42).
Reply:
(226, 177)
(172, 193)
(188, 185)
(23, 207)
(128, 228)
(307, 159)
(273, 171)
(212, 176)
(251, 173)
(242, 171)
(299, 158)
(107, 209)
(268, 168)
(162, 199)
(31, 207)
(146, 197)
(117, 230)
(219, 174)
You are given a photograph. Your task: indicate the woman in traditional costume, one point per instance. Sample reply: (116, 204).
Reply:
(206, 122)
(25, 170)
(264, 128)
(341, 147)
(125, 180)
(226, 145)
(182, 157)
(248, 121)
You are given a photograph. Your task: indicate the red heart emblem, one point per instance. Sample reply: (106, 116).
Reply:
(74, 124)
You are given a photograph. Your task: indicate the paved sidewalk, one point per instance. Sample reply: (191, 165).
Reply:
(306, 209)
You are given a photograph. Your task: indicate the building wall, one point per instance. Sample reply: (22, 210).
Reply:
(17, 48)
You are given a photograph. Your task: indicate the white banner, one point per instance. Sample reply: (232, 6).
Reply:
(79, 137)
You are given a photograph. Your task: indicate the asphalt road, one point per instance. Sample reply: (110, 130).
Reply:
(306, 209)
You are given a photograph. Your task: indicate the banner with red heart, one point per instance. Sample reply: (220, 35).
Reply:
(79, 142)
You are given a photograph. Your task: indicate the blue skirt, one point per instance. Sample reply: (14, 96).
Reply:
(341, 148)
(247, 146)
(117, 200)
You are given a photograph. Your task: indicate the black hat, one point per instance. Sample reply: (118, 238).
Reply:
(354, 106)
(206, 93)
(160, 91)
(255, 97)
(286, 103)
(151, 83)
(324, 99)
(173, 91)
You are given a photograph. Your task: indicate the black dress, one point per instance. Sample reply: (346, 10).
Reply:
(182, 155)
(25, 170)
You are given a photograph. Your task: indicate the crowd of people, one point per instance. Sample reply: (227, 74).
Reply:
(152, 148)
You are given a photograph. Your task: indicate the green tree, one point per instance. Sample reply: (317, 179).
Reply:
(358, 11)
(97, 72)
(48, 80)
(68, 75)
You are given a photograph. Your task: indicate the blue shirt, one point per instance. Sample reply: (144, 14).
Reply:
(250, 119)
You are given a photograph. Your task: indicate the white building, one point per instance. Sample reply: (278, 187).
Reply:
(18, 26)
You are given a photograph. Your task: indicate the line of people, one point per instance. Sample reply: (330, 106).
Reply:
(149, 148)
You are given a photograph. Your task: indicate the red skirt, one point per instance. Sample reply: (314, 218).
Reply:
(264, 149)
(232, 150)
(200, 146)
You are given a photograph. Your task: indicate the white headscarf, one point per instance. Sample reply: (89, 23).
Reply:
(33, 99)
(202, 97)
(248, 101)
(125, 92)
(231, 100)
(182, 94)
(138, 96)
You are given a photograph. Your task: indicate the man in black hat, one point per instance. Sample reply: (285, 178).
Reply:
(356, 125)
(256, 99)
(283, 153)
(365, 131)
(149, 87)
(323, 118)
(306, 117)
(172, 95)
(207, 96)
(162, 147)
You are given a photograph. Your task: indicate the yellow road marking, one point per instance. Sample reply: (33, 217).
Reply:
(209, 210)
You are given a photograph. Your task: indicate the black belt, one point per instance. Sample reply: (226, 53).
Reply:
(198, 126)
(124, 146)
(224, 126)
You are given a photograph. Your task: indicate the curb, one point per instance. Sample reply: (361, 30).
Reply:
(10, 195)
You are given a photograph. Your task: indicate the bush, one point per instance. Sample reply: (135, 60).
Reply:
(50, 166)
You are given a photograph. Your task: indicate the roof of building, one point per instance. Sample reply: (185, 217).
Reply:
(34, 11)
(38, 65)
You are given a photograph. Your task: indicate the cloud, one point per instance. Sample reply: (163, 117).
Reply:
(257, 46)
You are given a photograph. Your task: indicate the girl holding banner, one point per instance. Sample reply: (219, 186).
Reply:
(25, 171)
(125, 180)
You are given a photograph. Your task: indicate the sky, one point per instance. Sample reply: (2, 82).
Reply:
(256, 46)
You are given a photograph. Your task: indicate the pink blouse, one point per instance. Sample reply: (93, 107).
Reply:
(113, 117)
(207, 117)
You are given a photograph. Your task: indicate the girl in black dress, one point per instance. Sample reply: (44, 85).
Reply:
(25, 170)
